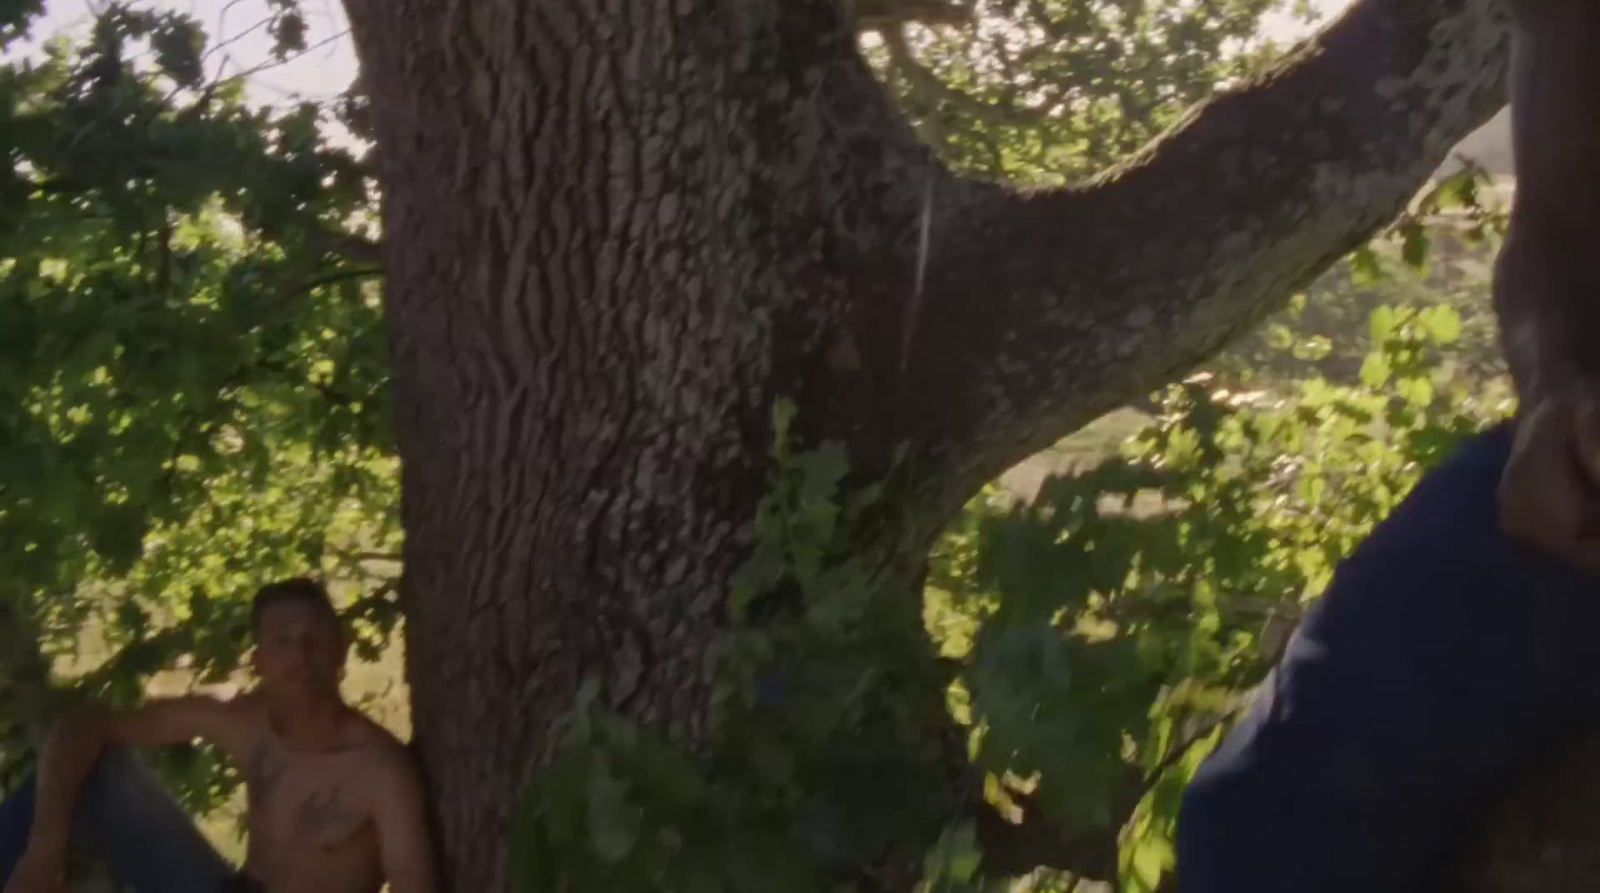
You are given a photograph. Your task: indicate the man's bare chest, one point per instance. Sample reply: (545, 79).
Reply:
(303, 800)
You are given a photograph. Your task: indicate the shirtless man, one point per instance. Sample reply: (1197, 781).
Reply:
(335, 802)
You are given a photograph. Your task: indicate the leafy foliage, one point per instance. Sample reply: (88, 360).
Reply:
(823, 767)
(1055, 90)
(192, 383)
(1104, 633)
(1439, 252)
(1114, 621)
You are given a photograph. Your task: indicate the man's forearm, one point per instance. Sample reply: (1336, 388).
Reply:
(1548, 313)
(68, 755)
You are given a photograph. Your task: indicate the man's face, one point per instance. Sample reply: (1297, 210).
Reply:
(299, 651)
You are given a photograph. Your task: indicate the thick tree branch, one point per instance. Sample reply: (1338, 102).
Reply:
(1047, 309)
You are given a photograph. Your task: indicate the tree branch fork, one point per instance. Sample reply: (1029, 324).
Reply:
(1033, 312)
(1043, 309)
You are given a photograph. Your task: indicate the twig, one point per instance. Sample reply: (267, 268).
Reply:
(334, 278)
(268, 66)
(369, 556)
(1182, 750)
(229, 41)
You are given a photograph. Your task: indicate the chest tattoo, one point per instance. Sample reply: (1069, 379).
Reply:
(321, 815)
(262, 775)
(298, 802)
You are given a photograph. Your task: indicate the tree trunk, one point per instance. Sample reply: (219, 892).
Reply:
(616, 231)
(615, 235)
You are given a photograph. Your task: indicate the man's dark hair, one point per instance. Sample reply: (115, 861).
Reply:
(299, 589)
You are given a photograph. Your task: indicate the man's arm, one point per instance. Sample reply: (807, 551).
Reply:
(399, 811)
(1545, 278)
(1547, 284)
(1546, 275)
(75, 743)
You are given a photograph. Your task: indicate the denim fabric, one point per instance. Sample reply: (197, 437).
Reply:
(125, 818)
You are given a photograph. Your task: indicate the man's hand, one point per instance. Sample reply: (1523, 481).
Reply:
(1550, 493)
(37, 872)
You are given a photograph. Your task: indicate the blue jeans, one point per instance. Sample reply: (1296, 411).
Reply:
(126, 819)
(1443, 660)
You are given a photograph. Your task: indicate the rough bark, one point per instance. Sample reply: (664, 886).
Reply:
(616, 230)
(1051, 308)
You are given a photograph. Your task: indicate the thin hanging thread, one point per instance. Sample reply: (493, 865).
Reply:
(915, 307)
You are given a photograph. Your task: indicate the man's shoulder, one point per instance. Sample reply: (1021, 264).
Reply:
(392, 771)
(383, 749)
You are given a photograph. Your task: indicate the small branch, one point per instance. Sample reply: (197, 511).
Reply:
(887, 15)
(335, 278)
(354, 247)
(370, 556)
(228, 41)
(139, 657)
(379, 600)
(276, 63)
(1177, 754)
(1013, 849)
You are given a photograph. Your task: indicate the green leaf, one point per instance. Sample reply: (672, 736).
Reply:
(1364, 267)
(288, 31)
(179, 45)
(955, 857)
(613, 819)
(783, 414)
(1149, 860)
(1414, 244)
(1382, 324)
(1375, 370)
(533, 870)
(820, 472)
(1442, 323)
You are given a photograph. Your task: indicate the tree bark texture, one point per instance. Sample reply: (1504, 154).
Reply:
(616, 230)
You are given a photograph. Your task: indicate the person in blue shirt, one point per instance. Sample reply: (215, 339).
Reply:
(1459, 646)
